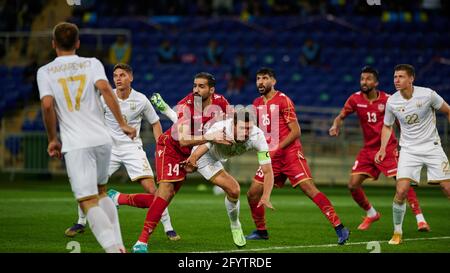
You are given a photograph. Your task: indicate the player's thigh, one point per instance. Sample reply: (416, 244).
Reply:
(389, 166)
(295, 167)
(409, 166)
(136, 163)
(255, 190)
(227, 182)
(81, 168)
(438, 168)
(114, 162)
(102, 158)
(365, 164)
(209, 167)
(168, 164)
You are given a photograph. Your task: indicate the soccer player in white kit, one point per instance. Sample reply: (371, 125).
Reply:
(134, 106)
(414, 107)
(242, 135)
(68, 90)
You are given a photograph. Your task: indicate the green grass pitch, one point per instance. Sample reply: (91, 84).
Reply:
(34, 215)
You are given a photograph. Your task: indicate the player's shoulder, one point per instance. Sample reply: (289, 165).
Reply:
(189, 99)
(394, 97)
(219, 99)
(357, 95)
(423, 91)
(139, 95)
(258, 101)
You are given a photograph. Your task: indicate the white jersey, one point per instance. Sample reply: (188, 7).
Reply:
(417, 118)
(256, 142)
(133, 109)
(70, 81)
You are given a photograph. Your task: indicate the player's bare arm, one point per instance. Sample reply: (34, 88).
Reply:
(385, 136)
(49, 115)
(294, 134)
(106, 90)
(337, 123)
(157, 130)
(268, 186)
(190, 164)
(445, 109)
(186, 139)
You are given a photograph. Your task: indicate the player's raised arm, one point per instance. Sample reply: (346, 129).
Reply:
(105, 89)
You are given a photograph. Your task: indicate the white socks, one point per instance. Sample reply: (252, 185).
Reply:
(102, 229)
(398, 212)
(110, 209)
(420, 218)
(233, 212)
(371, 212)
(165, 220)
(81, 216)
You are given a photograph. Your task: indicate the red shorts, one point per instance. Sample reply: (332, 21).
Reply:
(365, 163)
(168, 157)
(287, 164)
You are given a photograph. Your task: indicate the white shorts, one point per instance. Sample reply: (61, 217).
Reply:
(87, 168)
(410, 165)
(134, 159)
(208, 166)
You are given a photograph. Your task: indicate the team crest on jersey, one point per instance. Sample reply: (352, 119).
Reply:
(401, 109)
(381, 107)
(133, 106)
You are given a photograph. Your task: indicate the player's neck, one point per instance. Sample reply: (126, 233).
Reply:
(123, 94)
(372, 95)
(270, 95)
(407, 92)
(206, 102)
(62, 53)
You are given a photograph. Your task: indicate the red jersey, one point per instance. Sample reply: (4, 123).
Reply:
(371, 116)
(273, 118)
(199, 122)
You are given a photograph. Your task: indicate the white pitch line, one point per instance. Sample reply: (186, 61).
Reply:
(316, 246)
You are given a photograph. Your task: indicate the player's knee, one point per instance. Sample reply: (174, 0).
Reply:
(255, 191)
(88, 203)
(148, 184)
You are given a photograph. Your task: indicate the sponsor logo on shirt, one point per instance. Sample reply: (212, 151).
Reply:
(400, 109)
(362, 105)
(159, 153)
(298, 175)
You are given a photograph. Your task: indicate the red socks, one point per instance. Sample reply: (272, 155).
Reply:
(152, 219)
(360, 197)
(327, 208)
(258, 215)
(413, 202)
(139, 200)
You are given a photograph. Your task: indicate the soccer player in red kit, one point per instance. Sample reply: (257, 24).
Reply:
(369, 104)
(287, 156)
(174, 146)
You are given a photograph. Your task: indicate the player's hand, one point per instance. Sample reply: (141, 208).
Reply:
(266, 203)
(334, 131)
(54, 149)
(190, 164)
(129, 131)
(381, 154)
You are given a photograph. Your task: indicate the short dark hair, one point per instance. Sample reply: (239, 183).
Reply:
(266, 71)
(66, 35)
(406, 67)
(371, 70)
(124, 67)
(205, 75)
(243, 115)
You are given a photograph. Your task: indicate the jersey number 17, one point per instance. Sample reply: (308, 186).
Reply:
(63, 82)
